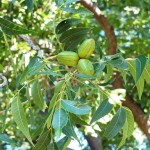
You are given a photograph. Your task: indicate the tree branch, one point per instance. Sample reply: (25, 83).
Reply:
(139, 115)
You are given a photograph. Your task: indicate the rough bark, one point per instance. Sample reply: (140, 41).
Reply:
(139, 115)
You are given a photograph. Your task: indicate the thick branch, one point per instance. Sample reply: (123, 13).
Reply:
(109, 31)
(139, 115)
(94, 142)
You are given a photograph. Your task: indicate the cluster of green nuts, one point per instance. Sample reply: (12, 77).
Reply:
(79, 59)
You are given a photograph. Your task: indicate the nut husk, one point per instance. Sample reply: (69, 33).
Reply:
(86, 48)
(85, 66)
(68, 58)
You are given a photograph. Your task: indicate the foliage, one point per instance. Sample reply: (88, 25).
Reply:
(46, 99)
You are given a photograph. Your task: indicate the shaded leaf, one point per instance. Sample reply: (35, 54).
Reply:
(72, 37)
(5, 138)
(79, 110)
(63, 143)
(68, 130)
(98, 49)
(100, 68)
(37, 131)
(78, 120)
(85, 76)
(43, 141)
(66, 24)
(11, 28)
(59, 2)
(140, 64)
(20, 118)
(104, 108)
(37, 95)
(53, 146)
(29, 4)
(115, 124)
(123, 74)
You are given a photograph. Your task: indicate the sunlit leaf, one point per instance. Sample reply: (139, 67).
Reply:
(146, 73)
(128, 127)
(20, 117)
(140, 82)
(60, 119)
(79, 110)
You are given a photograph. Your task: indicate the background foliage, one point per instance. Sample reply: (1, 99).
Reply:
(40, 91)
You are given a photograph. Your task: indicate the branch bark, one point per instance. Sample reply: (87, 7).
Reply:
(139, 115)
(94, 142)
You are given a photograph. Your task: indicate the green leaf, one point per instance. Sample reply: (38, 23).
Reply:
(98, 49)
(5, 138)
(50, 72)
(79, 110)
(1, 68)
(78, 120)
(104, 108)
(124, 75)
(43, 141)
(11, 28)
(4, 120)
(36, 132)
(1, 34)
(140, 64)
(53, 146)
(33, 68)
(69, 1)
(115, 124)
(109, 73)
(59, 2)
(60, 119)
(85, 76)
(37, 95)
(140, 82)
(29, 4)
(66, 24)
(68, 130)
(63, 143)
(119, 63)
(100, 68)
(72, 37)
(128, 127)
(146, 73)
(130, 121)
(20, 117)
